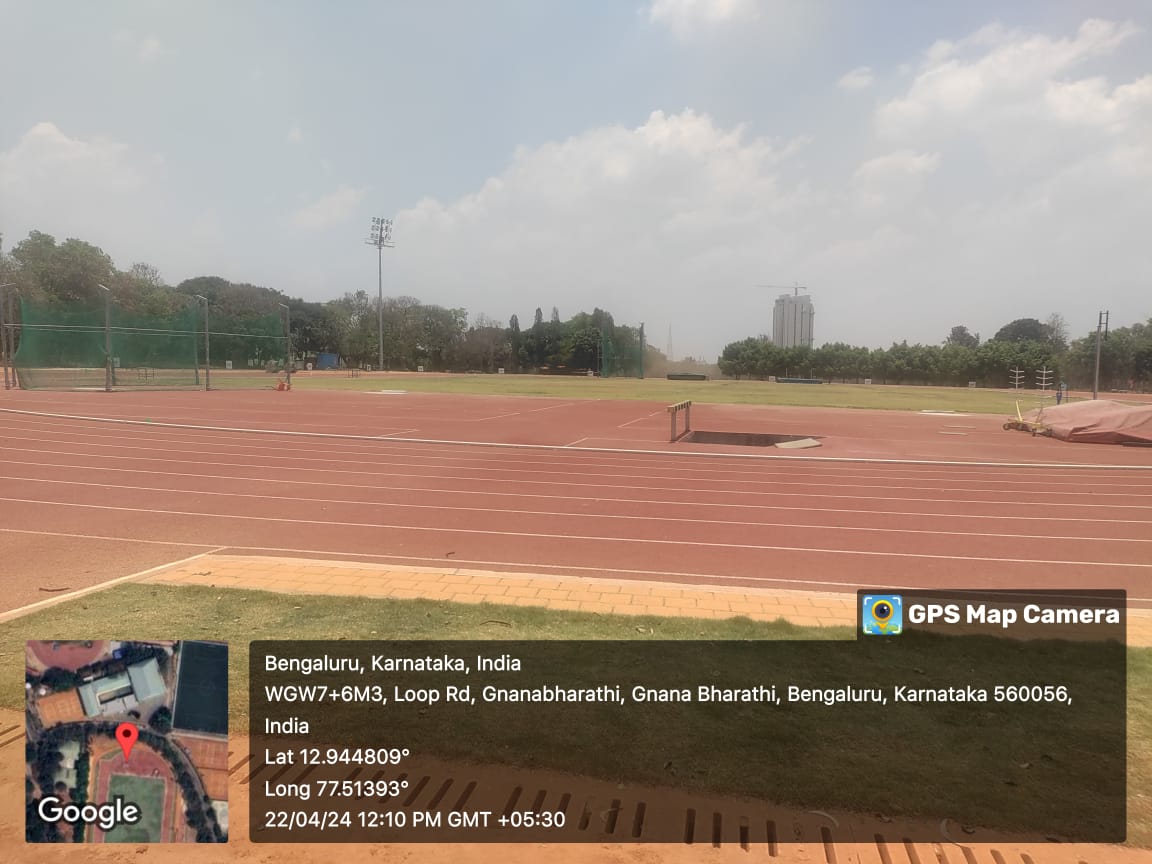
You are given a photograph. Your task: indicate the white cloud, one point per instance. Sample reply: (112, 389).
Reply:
(991, 72)
(295, 133)
(894, 177)
(685, 18)
(48, 169)
(330, 209)
(150, 49)
(98, 189)
(859, 78)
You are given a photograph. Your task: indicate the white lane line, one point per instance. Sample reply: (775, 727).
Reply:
(587, 537)
(549, 569)
(387, 435)
(680, 453)
(111, 441)
(574, 443)
(768, 487)
(518, 413)
(91, 589)
(628, 517)
(790, 495)
(639, 419)
(664, 502)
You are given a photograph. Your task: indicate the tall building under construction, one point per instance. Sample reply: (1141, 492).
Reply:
(792, 321)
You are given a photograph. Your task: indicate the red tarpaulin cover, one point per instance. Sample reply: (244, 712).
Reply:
(1098, 422)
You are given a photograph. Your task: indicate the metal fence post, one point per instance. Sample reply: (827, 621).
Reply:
(4, 336)
(107, 337)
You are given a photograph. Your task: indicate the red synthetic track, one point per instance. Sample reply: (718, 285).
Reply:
(815, 525)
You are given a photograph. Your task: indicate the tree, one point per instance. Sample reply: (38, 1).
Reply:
(161, 720)
(960, 337)
(1022, 330)
(70, 272)
(1057, 329)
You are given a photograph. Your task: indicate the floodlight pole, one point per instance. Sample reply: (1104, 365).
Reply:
(207, 364)
(4, 333)
(107, 337)
(1101, 322)
(381, 238)
(288, 339)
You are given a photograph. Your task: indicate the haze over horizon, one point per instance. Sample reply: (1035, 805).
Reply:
(917, 169)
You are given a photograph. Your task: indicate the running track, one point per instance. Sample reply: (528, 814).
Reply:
(83, 487)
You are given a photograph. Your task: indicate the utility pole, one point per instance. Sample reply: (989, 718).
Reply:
(1101, 324)
(381, 238)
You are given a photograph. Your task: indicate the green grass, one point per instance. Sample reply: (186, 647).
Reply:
(148, 793)
(165, 612)
(963, 399)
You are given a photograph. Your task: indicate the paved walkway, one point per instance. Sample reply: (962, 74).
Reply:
(612, 596)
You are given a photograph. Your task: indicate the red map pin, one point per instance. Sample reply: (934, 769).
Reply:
(126, 735)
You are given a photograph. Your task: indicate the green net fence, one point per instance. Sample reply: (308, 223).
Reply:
(622, 353)
(70, 346)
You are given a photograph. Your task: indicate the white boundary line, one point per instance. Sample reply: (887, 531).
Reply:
(598, 499)
(218, 444)
(543, 569)
(92, 589)
(694, 453)
(539, 535)
(620, 517)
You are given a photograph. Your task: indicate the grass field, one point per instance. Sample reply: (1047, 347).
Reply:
(148, 792)
(964, 399)
(161, 612)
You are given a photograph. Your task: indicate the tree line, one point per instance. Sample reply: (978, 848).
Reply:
(1026, 344)
(415, 334)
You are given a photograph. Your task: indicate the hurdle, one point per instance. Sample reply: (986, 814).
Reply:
(673, 411)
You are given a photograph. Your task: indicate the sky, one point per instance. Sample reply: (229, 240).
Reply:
(914, 165)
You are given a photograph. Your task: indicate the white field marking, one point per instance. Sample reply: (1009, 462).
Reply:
(577, 441)
(360, 556)
(959, 426)
(570, 537)
(599, 500)
(624, 517)
(220, 437)
(943, 432)
(453, 472)
(564, 459)
(518, 413)
(91, 589)
(692, 453)
(389, 434)
(360, 472)
(638, 419)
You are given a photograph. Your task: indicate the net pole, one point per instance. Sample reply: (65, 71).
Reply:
(207, 365)
(288, 342)
(107, 339)
(4, 335)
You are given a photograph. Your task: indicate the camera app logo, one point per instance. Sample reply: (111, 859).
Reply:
(882, 614)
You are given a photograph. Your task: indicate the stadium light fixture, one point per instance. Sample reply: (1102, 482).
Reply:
(207, 365)
(380, 237)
